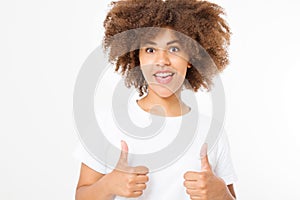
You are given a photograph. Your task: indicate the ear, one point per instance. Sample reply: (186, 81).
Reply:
(189, 65)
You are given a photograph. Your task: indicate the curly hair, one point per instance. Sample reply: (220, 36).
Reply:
(199, 20)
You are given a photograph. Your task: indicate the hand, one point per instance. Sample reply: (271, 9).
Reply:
(205, 185)
(127, 181)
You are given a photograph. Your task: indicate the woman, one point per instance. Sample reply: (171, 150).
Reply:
(160, 62)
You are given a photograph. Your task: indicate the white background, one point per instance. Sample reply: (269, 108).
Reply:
(43, 44)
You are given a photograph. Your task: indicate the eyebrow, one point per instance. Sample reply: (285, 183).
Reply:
(153, 43)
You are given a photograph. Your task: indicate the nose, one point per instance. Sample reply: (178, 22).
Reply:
(163, 58)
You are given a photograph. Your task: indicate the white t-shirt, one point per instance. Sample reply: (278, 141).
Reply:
(165, 181)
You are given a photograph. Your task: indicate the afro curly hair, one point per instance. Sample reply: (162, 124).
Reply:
(199, 20)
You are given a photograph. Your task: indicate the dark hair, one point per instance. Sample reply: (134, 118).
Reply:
(199, 20)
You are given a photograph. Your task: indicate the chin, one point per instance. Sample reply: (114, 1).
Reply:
(165, 94)
(162, 91)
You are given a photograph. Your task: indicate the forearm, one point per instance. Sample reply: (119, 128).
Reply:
(229, 194)
(97, 191)
(229, 197)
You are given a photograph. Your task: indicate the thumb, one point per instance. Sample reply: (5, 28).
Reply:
(124, 153)
(205, 166)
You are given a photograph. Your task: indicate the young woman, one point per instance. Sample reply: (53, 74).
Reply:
(160, 63)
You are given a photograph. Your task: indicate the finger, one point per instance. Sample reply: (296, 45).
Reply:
(140, 170)
(137, 193)
(142, 179)
(205, 166)
(140, 186)
(192, 185)
(196, 197)
(194, 193)
(192, 176)
(123, 160)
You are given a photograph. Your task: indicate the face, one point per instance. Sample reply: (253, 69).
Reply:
(163, 63)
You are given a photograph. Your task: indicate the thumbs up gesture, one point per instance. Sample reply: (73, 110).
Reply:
(204, 185)
(127, 181)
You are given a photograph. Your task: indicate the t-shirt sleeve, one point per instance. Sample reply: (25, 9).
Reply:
(82, 155)
(224, 166)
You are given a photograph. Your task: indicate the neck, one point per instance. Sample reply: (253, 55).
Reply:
(171, 106)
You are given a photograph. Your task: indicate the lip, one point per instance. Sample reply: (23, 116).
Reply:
(162, 80)
(163, 71)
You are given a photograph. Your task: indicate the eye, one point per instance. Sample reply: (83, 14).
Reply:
(174, 49)
(150, 50)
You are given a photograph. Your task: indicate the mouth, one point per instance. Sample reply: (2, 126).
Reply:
(163, 77)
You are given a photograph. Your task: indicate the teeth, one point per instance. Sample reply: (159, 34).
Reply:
(163, 74)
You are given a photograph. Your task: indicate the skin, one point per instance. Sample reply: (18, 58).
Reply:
(162, 99)
(205, 185)
(124, 180)
(164, 53)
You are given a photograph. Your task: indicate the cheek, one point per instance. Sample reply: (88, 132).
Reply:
(182, 68)
(180, 64)
(147, 72)
(144, 59)
(183, 71)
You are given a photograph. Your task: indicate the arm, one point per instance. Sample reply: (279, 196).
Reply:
(92, 185)
(231, 190)
(205, 185)
(124, 180)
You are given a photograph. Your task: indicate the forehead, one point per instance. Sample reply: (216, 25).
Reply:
(160, 37)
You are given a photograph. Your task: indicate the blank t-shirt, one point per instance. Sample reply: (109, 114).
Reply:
(165, 178)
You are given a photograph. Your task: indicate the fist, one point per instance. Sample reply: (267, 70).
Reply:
(204, 185)
(128, 181)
